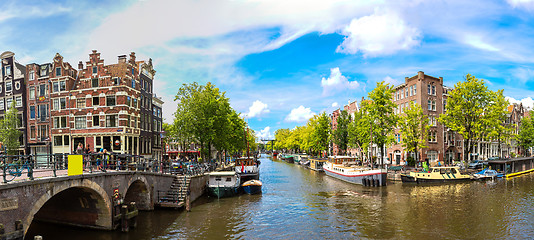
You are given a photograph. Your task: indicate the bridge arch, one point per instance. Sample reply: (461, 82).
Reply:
(83, 202)
(139, 191)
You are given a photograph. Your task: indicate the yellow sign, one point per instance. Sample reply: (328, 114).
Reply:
(75, 165)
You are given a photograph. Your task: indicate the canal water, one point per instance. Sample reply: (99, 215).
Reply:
(298, 203)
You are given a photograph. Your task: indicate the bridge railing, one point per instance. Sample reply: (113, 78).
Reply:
(28, 167)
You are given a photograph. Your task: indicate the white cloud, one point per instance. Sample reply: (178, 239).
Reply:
(476, 41)
(523, 74)
(528, 4)
(265, 134)
(300, 114)
(392, 81)
(258, 108)
(527, 102)
(335, 104)
(379, 34)
(337, 82)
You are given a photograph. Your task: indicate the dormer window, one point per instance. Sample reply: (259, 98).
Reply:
(95, 69)
(58, 71)
(7, 71)
(32, 73)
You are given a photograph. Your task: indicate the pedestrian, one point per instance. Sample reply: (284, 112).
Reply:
(87, 159)
(79, 150)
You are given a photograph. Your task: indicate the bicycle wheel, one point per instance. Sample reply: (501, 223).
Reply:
(12, 171)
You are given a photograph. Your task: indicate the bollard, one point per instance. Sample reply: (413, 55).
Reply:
(124, 219)
(187, 203)
(18, 225)
(38, 237)
(133, 221)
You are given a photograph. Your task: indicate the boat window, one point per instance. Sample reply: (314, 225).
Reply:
(436, 170)
(228, 179)
(442, 171)
(218, 179)
(453, 171)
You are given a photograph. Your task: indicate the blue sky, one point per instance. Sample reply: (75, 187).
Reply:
(281, 61)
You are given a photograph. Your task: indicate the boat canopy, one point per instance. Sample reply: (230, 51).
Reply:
(224, 173)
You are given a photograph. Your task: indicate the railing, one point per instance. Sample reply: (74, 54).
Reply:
(28, 167)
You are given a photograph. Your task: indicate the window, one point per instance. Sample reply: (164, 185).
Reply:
(43, 112)
(94, 82)
(18, 101)
(32, 132)
(60, 122)
(42, 90)
(32, 112)
(116, 81)
(433, 90)
(7, 70)
(411, 90)
(133, 82)
(414, 90)
(58, 71)
(432, 156)
(43, 71)
(128, 100)
(9, 86)
(402, 94)
(134, 105)
(406, 92)
(128, 121)
(79, 122)
(432, 136)
(55, 87)
(432, 121)
(95, 69)
(431, 105)
(96, 101)
(62, 86)
(58, 141)
(111, 121)
(429, 90)
(43, 131)
(98, 141)
(80, 103)
(96, 121)
(63, 103)
(1, 104)
(32, 92)
(9, 100)
(110, 100)
(32, 73)
(66, 140)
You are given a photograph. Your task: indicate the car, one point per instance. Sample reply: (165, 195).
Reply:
(476, 164)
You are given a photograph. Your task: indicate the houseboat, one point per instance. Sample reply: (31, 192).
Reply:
(346, 168)
(223, 184)
(435, 174)
(512, 167)
(316, 164)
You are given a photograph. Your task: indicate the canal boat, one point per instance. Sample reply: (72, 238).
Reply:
(275, 155)
(247, 168)
(288, 158)
(435, 174)
(345, 168)
(223, 184)
(487, 173)
(252, 186)
(513, 167)
(316, 164)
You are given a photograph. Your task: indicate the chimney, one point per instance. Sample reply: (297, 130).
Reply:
(80, 66)
(132, 57)
(421, 74)
(122, 58)
(441, 79)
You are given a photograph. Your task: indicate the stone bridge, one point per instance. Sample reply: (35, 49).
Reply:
(88, 200)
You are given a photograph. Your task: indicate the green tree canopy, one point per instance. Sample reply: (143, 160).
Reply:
(525, 137)
(340, 135)
(9, 134)
(414, 128)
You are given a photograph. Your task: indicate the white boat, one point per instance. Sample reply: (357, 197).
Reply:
(223, 184)
(346, 169)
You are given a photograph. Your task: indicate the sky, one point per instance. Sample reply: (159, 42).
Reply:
(282, 61)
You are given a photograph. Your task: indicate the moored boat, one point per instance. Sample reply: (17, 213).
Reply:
(346, 169)
(436, 174)
(223, 184)
(316, 164)
(252, 186)
(487, 174)
(247, 168)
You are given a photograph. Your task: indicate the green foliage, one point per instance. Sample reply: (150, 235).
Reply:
(360, 131)
(340, 135)
(9, 134)
(411, 161)
(383, 120)
(319, 126)
(471, 111)
(281, 136)
(414, 128)
(525, 137)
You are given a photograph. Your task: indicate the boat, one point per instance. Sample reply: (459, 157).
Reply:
(301, 159)
(436, 174)
(252, 186)
(513, 167)
(316, 164)
(487, 173)
(247, 168)
(275, 154)
(346, 169)
(223, 184)
(288, 158)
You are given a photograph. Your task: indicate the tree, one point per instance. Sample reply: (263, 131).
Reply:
(281, 135)
(381, 115)
(9, 135)
(414, 129)
(525, 137)
(340, 135)
(320, 131)
(467, 111)
(359, 132)
(496, 124)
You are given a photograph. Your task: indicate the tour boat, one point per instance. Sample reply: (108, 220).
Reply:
(346, 169)
(223, 184)
(252, 186)
(436, 174)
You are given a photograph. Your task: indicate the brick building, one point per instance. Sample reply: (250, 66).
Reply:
(13, 89)
(157, 148)
(146, 135)
(38, 110)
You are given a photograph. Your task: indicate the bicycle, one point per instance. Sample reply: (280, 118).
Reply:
(14, 170)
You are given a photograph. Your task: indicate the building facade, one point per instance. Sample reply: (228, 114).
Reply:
(13, 90)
